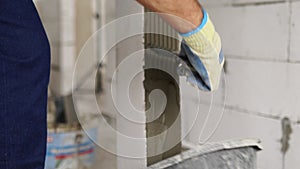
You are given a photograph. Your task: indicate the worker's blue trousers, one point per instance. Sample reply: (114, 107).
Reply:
(24, 76)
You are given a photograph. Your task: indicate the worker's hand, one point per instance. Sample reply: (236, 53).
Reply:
(201, 43)
(188, 10)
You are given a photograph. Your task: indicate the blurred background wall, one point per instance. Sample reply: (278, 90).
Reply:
(261, 42)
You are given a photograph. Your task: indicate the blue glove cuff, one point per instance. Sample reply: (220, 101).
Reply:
(203, 23)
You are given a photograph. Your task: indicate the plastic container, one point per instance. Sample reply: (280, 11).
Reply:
(70, 148)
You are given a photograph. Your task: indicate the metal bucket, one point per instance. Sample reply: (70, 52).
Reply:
(238, 154)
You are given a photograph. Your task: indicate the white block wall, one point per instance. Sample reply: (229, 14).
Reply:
(124, 125)
(261, 42)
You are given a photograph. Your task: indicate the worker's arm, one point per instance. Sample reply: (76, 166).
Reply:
(201, 42)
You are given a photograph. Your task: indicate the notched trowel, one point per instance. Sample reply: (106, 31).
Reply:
(186, 69)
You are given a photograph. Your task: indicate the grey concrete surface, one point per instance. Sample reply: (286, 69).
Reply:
(239, 154)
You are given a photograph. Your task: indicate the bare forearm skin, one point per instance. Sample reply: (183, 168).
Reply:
(189, 12)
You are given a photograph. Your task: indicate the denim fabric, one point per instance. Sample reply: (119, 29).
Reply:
(24, 77)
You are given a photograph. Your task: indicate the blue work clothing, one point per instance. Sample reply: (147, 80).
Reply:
(24, 77)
